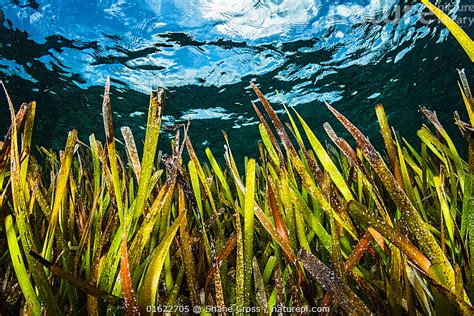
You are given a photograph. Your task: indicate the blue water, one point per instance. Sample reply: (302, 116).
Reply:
(353, 54)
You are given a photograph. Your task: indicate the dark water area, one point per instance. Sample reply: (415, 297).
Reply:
(352, 54)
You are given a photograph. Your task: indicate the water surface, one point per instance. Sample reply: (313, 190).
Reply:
(353, 54)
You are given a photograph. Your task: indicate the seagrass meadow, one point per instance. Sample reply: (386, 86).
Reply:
(307, 226)
(94, 229)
